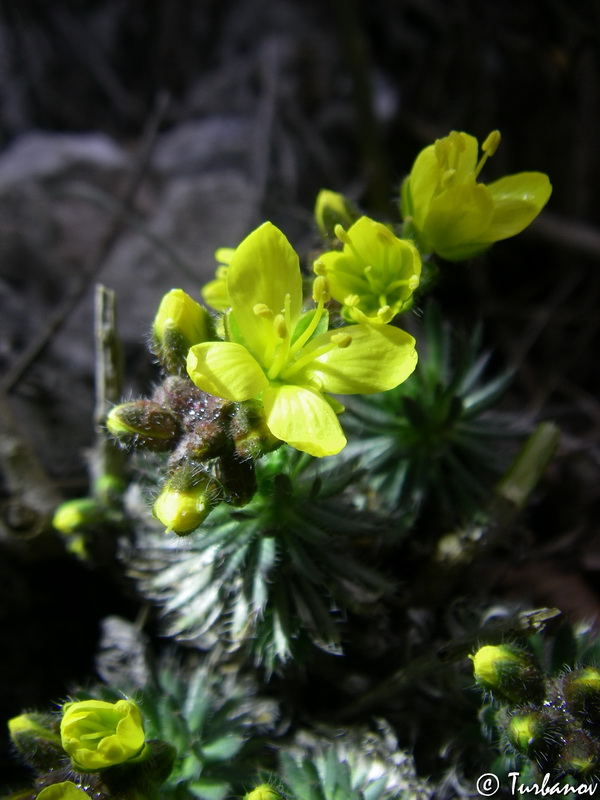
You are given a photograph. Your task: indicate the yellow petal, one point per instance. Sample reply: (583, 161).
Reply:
(303, 418)
(378, 358)
(428, 171)
(225, 369)
(459, 215)
(263, 270)
(518, 199)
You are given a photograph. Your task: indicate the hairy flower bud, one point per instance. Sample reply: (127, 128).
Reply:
(331, 209)
(143, 423)
(510, 673)
(184, 503)
(535, 734)
(36, 738)
(180, 322)
(97, 734)
(77, 516)
(263, 792)
(581, 689)
(248, 429)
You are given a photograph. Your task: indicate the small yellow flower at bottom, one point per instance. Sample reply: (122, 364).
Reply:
(97, 734)
(263, 792)
(66, 790)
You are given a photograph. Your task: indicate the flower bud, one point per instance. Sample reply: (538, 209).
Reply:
(180, 322)
(581, 690)
(331, 209)
(510, 673)
(263, 792)
(580, 755)
(36, 738)
(66, 790)
(97, 734)
(143, 423)
(251, 437)
(78, 516)
(182, 506)
(536, 735)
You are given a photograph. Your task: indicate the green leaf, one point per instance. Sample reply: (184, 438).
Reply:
(223, 749)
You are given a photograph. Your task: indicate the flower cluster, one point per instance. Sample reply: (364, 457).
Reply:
(287, 358)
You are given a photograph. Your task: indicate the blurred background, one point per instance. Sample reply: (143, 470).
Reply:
(137, 136)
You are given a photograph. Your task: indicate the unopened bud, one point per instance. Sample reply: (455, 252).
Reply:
(581, 690)
(249, 432)
(180, 322)
(535, 734)
(263, 792)
(143, 423)
(36, 738)
(331, 209)
(182, 508)
(580, 755)
(78, 516)
(509, 673)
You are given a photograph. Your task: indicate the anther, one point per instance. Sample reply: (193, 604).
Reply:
(319, 268)
(262, 310)
(413, 282)
(280, 326)
(342, 340)
(342, 234)
(320, 292)
(491, 144)
(352, 300)
(385, 314)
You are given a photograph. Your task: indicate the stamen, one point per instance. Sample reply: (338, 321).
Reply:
(342, 234)
(492, 143)
(262, 310)
(320, 290)
(221, 272)
(342, 340)
(385, 314)
(321, 296)
(296, 366)
(319, 268)
(489, 147)
(280, 327)
(352, 300)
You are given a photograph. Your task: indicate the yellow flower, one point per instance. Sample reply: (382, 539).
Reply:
(452, 214)
(289, 360)
(375, 274)
(97, 734)
(214, 293)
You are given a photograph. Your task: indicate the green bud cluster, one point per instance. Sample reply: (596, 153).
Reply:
(553, 722)
(213, 444)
